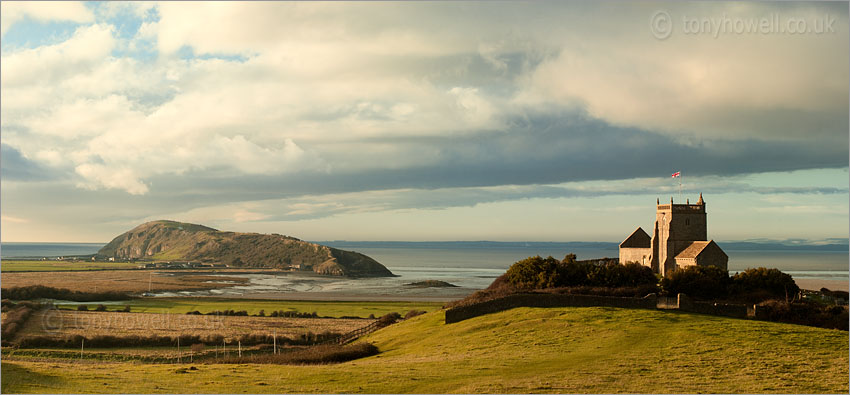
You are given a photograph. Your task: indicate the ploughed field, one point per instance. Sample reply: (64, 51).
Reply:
(525, 350)
(54, 323)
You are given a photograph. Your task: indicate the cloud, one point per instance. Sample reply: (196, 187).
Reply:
(189, 106)
(42, 11)
(18, 167)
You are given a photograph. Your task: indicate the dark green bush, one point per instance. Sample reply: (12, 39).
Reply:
(322, 354)
(762, 283)
(539, 273)
(82, 307)
(100, 307)
(804, 313)
(699, 282)
(534, 273)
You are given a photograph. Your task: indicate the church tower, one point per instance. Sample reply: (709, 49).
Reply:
(677, 226)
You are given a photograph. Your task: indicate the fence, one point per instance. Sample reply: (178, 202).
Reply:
(353, 335)
(681, 302)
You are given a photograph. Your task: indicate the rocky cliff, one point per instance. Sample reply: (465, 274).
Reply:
(170, 240)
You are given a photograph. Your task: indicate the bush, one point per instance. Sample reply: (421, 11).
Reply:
(539, 273)
(42, 292)
(389, 319)
(759, 284)
(322, 354)
(100, 307)
(699, 282)
(16, 316)
(639, 291)
(413, 313)
(126, 309)
(534, 273)
(82, 307)
(293, 314)
(804, 313)
(109, 341)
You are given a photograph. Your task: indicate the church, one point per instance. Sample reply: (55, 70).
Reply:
(679, 239)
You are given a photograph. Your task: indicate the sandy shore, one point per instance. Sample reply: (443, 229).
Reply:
(817, 284)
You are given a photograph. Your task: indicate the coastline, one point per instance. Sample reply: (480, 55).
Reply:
(815, 284)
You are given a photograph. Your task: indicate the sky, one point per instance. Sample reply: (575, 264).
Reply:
(505, 121)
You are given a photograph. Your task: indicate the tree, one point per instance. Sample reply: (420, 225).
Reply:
(701, 282)
(763, 283)
(534, 273)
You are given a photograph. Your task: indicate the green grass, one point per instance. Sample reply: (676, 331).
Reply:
(253, 306)
(522, 350)
(51, 266)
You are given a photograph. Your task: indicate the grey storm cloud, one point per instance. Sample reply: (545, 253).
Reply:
(534, 149)
(18, 168)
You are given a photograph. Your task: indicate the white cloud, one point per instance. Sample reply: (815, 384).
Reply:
(328, 88)
(43, 11)
(88, 47)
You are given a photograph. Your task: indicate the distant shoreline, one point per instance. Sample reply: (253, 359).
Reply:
(815, 284)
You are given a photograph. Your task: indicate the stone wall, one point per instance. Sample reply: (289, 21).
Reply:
(461, 313)
(682, 303)
(639, 255)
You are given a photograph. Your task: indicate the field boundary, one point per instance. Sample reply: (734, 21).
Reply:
(650, 302)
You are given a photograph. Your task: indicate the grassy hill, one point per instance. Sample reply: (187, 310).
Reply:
(522, 350)
(170, 240)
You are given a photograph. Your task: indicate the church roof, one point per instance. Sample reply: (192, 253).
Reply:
(638, 239)
(696, 248)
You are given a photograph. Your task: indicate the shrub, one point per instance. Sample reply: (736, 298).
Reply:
(126, 309)
(388, 319)
(699, 282)
(639, 291)
(322, 354)
(534, 273)
(16, 317)
(413, 313)
(82, 307)
(42, 292)
(804, 313)
(539, 273)
(100, 307)
(762, 283)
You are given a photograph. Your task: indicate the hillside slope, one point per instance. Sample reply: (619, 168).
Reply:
(170, 240)
(526, 350)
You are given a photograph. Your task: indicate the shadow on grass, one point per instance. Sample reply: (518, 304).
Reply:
(17, 379)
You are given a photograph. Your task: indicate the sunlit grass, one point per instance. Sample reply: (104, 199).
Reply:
(48, 266)
(253, 306)
(521, 350)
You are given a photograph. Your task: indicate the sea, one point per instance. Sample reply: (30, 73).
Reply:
(468, 265)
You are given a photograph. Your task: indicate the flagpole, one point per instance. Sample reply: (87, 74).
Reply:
(680, 186)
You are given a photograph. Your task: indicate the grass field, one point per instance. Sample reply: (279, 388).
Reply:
(522, 350)
(253, 306)
(49, 266)
(89, 323)
(117, 280)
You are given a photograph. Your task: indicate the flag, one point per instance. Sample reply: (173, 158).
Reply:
(677, 174)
